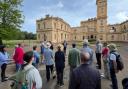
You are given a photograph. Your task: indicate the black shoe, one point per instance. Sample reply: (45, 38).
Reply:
(3, 80)
(62, 84)
(54, 77)
(6, 77)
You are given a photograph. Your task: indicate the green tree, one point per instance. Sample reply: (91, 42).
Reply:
(11, 17)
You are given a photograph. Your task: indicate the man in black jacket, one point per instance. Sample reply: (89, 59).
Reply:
(85, 76)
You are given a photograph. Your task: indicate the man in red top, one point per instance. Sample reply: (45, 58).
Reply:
(18, 56)
(105, 52)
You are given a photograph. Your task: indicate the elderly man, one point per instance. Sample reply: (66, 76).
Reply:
(89, 50)
(85, 76)
(49, 62)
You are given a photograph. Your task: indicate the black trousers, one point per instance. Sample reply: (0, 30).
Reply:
(49, 68)
(98, 57)
(114, 79)
(3, 68)
(60, 71)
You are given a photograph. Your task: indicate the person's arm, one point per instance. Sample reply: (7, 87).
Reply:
(69, 57)
(79, 57)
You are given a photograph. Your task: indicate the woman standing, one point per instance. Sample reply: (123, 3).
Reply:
(60, 64)
(3, 62)
(105, 53)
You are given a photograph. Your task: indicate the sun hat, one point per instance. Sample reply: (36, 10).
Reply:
(112, 47)
(85, 42)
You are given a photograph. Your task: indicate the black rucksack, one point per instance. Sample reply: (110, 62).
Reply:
(119, 61)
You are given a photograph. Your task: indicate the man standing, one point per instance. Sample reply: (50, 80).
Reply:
(85, 76)
(98, 53)
(48, 59)
(86, 48)
(73, 57)
(113, 65)
(18, 56)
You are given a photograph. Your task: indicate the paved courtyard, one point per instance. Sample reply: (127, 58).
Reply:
(123, 49)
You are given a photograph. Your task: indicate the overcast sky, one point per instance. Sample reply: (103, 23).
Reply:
(72, 11)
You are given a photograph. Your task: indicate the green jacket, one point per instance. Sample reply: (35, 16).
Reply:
(74, 57)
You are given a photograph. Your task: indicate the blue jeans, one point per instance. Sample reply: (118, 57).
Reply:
(114, 79)
(18, 67)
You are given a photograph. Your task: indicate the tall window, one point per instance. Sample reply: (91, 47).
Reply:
(65, 36)
(112, 37)
(127, 36)
(55, 25)
(38, 36)
(61, 26)
(38, 26)
(83, 37)
(75, 37)
(101, 37)
(124, 37)
(44, 25)
(61, 36)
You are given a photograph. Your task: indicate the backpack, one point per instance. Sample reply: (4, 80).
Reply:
(20, 81)
(119, 61)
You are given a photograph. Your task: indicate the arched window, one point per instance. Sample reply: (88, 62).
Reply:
(91, 36)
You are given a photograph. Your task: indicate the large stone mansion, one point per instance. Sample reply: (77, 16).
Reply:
(57, 30)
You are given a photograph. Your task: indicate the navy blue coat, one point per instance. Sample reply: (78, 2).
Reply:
(59, 59)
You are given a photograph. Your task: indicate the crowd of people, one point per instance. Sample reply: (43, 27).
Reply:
(83, 73)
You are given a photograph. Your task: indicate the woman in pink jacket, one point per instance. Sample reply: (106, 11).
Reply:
(18, 57)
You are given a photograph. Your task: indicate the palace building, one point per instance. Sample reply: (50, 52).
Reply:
(56, 30)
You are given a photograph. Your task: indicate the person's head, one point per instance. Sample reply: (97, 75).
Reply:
(20, 45)
(60, 47)
(28, 57)
(84, 57)
(85, 43)
(73, 45)
(48, 45)
(98, 41)
(35, 47)
(112, 47)
(105, 44)
(2, 48)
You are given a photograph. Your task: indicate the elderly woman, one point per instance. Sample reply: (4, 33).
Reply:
(60, 64)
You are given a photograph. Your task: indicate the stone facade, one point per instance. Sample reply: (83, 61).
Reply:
(57, 30)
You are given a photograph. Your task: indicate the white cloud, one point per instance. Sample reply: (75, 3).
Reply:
(60, 4)
(122, 16)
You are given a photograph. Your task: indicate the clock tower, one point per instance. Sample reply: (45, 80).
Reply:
(102, 19)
